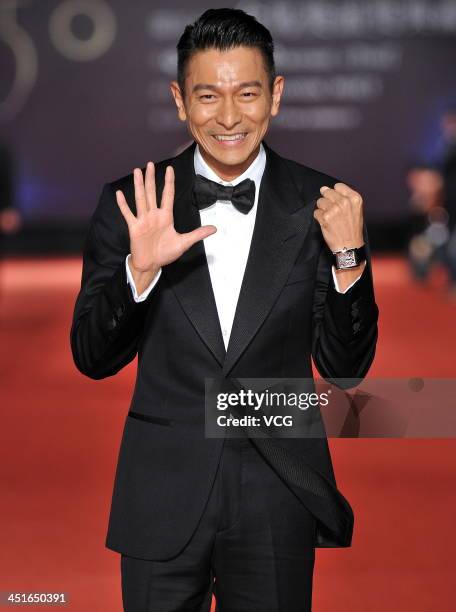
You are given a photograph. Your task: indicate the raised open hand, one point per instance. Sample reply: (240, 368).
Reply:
(153, 240)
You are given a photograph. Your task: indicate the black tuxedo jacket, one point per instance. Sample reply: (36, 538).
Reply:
(288, 311)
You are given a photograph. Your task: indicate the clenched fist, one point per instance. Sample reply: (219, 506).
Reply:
(340, 215)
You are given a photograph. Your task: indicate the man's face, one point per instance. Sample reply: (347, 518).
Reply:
(227, 94)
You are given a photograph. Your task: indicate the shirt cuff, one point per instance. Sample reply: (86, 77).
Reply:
(131, 282)
(349, 286)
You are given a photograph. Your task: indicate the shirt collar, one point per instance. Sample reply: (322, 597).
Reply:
(254, 171)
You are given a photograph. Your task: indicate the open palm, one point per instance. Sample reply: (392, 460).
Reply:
(153, 240)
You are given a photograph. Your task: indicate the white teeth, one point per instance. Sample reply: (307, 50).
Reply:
(234, 137)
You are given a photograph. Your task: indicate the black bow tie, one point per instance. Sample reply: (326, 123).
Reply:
(206, 192)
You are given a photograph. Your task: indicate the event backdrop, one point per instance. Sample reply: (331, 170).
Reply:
(84, 92)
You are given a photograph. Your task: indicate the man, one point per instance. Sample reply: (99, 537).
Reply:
(230, 276)
(448, 169)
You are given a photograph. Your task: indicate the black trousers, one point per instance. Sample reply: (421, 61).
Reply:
(253, 547)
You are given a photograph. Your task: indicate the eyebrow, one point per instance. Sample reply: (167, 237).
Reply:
(199, 86)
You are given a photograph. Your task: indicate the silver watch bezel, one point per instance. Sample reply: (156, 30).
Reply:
(346, 259)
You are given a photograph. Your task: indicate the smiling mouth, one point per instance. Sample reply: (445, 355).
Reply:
(229, 137)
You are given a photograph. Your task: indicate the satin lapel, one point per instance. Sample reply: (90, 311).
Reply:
(281, 225)
(283, 219)
(189, 276)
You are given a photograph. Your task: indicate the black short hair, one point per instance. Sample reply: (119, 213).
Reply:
(223, 29)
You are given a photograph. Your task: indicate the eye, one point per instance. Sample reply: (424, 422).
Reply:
(207, 96)
(249, 93)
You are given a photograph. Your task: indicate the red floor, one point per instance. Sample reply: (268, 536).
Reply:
(61, 431)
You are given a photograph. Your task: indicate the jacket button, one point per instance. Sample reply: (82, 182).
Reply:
(356, 327)
(112, 323)
(120, 311)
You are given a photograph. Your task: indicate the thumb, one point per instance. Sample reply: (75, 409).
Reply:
(197, 234)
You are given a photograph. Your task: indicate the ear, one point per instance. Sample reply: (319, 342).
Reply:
(277, 90)
(179, 100)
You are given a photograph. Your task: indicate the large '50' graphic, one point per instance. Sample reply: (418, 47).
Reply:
(104, 28)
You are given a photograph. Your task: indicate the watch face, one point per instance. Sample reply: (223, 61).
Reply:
(347, 259)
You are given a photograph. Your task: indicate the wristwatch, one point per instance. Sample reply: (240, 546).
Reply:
(349, 258)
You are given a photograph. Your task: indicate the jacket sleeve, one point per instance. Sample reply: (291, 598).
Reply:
(344, 324)
(107, 321)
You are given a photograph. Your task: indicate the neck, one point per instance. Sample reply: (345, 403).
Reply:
(228, 172)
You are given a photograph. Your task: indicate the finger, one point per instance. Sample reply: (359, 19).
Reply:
(331, 194)
(140, 194)
(324, 204)
(151, 196)
(346, 191)
(320, 216)
(335, 197)
(167, 200)
(124, 208)
(349, 193)
(189, 238)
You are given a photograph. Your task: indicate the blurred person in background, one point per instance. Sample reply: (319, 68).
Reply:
(428, 221)
(431, 241)
(432, 225)
(448, 127)
(10, 218)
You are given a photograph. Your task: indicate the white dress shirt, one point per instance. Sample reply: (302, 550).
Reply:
(228, 248)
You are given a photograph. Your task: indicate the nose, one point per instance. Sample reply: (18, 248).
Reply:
(229, 115)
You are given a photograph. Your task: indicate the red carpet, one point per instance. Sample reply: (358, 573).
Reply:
(61, 431)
